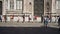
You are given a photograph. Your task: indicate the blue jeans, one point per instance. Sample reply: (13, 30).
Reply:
(45, 23)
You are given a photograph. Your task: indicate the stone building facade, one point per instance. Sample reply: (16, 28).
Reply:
(30, 8)
(17, 8)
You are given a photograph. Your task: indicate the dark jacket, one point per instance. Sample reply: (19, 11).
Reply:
(0, 18)
(59, 21)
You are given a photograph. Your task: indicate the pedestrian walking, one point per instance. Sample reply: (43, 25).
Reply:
(35, 18)
(57, 19)
(46, 20)
(23, 18)
(0, 18)
(29, 18)
(11, 17)
(59, 23)
(18, 19)
(5, 18)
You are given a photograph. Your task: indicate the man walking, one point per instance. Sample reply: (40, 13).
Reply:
(59, 23)
(0, 18)
(23, 18)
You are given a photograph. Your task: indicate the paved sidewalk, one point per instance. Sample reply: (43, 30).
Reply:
(27, 24)
(20, 24)
(55, 25)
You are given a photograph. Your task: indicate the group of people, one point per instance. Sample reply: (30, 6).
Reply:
(46, 21)
(4, 18)
(29, 18)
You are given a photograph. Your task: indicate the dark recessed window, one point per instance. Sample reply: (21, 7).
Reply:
(47, 3)
(30, 3)
(38, 7)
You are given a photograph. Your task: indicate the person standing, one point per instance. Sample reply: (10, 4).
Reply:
(46, 19)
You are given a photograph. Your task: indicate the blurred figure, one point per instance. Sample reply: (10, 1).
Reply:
(46, 20)
(57, 19)
(35, 18)
(59, 23)
(4, 18)
(18, 19)
(29, 18)
(23, 18)
(0, 18)
(11, 17)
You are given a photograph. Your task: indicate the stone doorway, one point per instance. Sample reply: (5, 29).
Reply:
(39, 8)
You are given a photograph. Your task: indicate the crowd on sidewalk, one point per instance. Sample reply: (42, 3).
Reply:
(46, 19)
